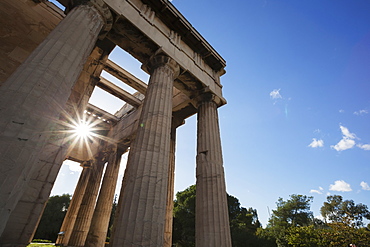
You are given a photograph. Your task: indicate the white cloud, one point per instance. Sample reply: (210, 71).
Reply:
(364, 146)
(275, 94)
(346, 133)
(347, 141)
(365, 186)
(341, 111)
(73, 166)
(123, 164)
(361, 112)
(344, 144)
(316, 143)
(340, 185)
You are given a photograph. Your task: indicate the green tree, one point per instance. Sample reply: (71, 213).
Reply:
(111, 218)
(184, 218)
(333, 235)
(304, 236)
(336, 210)
(346, 219)
(243, 222)
(52, 218)
(293, 212)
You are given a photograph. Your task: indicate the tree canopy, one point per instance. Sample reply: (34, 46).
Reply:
(292, 223)
(336, 210)
(294, 212)
(243, 222)
(52, 218)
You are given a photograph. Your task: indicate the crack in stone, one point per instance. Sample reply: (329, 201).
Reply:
(17, 122)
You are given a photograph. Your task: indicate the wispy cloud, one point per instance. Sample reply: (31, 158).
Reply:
(365, 186)
(364, 146)
(340, 185)
(347, 141)
(361, 112)
(319, 191)
(341, 111)
(316, 143)
(275, 94)
(346, 133)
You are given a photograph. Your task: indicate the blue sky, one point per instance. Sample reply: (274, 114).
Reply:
(298, 92)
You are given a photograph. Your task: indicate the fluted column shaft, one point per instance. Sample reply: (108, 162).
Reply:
(143, 210)
(25, 217)
(74, 206)
(85, 213)
(170, 191)
(212, 219)
(100, 221)
(33, 98)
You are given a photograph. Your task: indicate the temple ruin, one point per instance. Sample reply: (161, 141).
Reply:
(50, 62)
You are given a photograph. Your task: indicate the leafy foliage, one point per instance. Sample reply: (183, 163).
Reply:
(41, 241)
(52, 218)
(333, 235)
(40, 245)
(336, 210)
(243, 222)
(184, 218)
(294, 212)
(292, 224)
(111, 218)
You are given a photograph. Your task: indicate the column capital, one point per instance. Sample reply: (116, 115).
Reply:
(101, 7)
(208, 96)
(161, 60)
(86, 164)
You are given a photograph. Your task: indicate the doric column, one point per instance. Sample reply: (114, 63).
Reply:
(85, 213)
(32, 99)
(171, 185)
(212, 219)
(74, 206)
(100, 221)
(143, 210)
(25, 217)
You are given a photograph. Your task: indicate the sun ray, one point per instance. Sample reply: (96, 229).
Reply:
(79, 130)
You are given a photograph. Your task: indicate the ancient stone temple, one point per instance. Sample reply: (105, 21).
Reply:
(50, 62)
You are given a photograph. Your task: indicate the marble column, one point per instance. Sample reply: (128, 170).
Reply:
(171, 186)
(74, 206)
(25, 217)
(86, 210)
(143, 210)
(34, 96)
(211, 214)
(100, 220)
